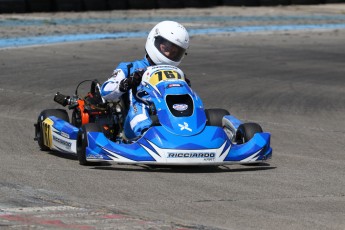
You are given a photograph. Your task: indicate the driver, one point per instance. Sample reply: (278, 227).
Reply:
(166, 44)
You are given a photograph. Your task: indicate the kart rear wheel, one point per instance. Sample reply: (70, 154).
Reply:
(59, 113)
(215, 116)
(247, 131)
(82, 141)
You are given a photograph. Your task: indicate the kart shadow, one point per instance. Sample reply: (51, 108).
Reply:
(187, 169)
(73, 157)
(68, 156)
(167, 168)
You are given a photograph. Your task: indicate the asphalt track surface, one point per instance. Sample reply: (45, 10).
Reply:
(291, 83)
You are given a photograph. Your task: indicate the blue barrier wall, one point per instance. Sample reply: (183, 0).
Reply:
(27, 6)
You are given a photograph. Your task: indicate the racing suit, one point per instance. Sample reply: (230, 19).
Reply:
(138, 119)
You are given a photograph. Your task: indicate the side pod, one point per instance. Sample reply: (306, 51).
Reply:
(59, 135)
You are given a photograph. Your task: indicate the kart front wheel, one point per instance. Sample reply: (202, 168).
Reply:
(59, 113)
(247, 131)
(215, 116)
(82, 141)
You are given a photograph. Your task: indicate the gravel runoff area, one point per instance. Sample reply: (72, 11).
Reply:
(43, 24)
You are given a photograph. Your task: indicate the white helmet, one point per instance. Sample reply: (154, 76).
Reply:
(167, 43)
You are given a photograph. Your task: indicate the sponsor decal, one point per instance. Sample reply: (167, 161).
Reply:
(135, 108)
(191, 155)
(63, 142)
(64, 134)
(94, 156)
(174, 85)
(185, 127)
(180, 107)
(156, 96)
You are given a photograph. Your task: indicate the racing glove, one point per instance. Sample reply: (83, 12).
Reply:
(132, 81)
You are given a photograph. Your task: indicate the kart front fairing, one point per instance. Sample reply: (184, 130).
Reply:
(212, 146)
(183, 137)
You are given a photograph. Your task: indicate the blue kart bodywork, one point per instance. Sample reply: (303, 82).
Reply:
(209, 147)
(183, 137)
(159, 146)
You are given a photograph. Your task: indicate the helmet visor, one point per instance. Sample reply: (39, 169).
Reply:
(169, 49)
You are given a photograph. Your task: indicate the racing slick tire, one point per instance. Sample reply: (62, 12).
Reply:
(248, 130)
(82, 141)
(215, 116)
(59, 113)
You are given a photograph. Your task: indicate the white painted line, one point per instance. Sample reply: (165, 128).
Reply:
(38, 209)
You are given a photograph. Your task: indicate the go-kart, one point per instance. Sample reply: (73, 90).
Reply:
(183, 132)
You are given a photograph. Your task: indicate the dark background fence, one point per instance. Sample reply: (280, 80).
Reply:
(27, 6)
